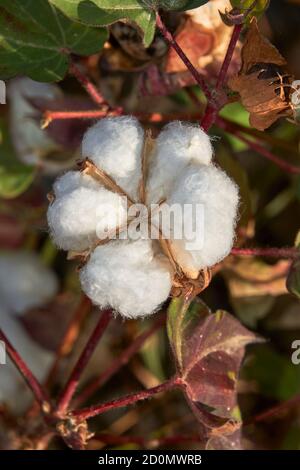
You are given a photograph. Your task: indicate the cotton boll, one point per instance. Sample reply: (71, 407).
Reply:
(32, 144)
(127, 277)
(73, 180)
(25, 282)
(217, 198)
(115, 145)
(13, 389)
(178, 145)
(77, 218)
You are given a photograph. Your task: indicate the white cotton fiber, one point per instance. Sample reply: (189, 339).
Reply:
(178, 145)
(13, 389)
(25, 282)
(73, 180)
(77, 218)
(217, 197)
(127, 277)
(115, 145)
(32, 144)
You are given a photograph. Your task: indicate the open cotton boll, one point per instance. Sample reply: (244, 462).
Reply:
(115, 145)
(178, 145)
(127, 277)
(13, 389)
(73, 180)
(215, 198)
(25, 282)
(32, 143)
(77, 218)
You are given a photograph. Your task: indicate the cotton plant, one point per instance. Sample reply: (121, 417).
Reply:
(25, 283)
(122, 166)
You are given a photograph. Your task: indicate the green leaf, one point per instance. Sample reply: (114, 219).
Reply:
(36, 40)
(15, 177)
(105, 12)
(257, 10)
(180, 5)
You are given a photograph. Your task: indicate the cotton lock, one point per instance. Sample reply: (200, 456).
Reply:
(134, 276)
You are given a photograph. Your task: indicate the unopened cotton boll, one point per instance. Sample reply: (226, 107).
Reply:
(25, 282)
(178, 145)
(115, 145)
(127, 277)
(79, 217)
(217, 198)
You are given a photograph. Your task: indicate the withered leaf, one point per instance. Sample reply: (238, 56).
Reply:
(209, 349)
(263, 83)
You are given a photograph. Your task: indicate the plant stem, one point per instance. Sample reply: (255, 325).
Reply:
(36, 388)
(88, 85)
(72, 383)
(70, 335)
(211, 112)
(50, 116)
(290, 253)
(174, 44)
(289, 168)
(119, 362)
(228, 56)
(96, 410)
(275, 410)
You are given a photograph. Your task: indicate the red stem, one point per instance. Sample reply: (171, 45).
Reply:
(70, 335)
(211, 112)
(96, 410)
(259, 148)
(119, 362)
(72, 383)
(291, 253)
(229, 54)
(275, 410)
(88, 85)
(39, 393)
(174, 44)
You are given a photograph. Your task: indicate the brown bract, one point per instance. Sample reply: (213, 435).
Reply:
(262, 83)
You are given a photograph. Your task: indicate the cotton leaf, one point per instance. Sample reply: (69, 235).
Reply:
(36, 39)
(209, 349)
(262, 82)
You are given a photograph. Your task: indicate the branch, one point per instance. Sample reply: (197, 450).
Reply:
(290, 253)
(72, 383)
(36, 388)
(174, 44)
(69, 336)
(96, 410)
(88, 85)
(289, 168)
(211, 112)
(275, 410)
(119, 362)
